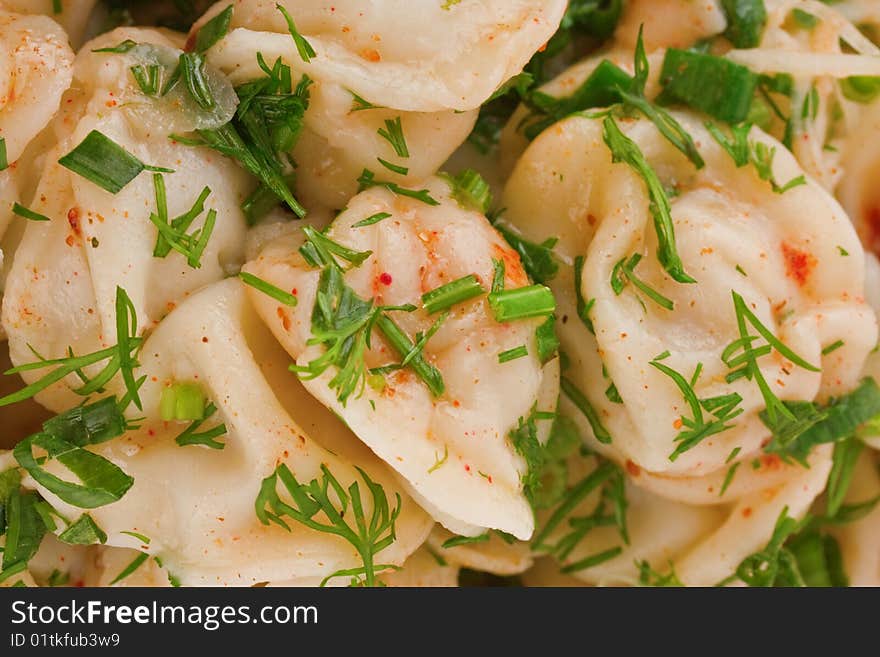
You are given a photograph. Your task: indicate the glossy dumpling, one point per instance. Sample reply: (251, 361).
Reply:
(803, 278)
(62, 285)
(417, 249)
(197, 505)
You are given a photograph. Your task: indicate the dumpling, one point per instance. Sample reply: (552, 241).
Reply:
(701, 541)
(793, 258)
(451, 445)
(73, 16)
(668, 23)
(370, 75)
(860, 540)
(61, 289)
(497, 554)
(639, 343)
(36, 67)
(197, 505)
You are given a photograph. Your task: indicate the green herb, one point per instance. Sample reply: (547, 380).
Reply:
(745, 21)
(846, 453)
(119, 358)
(546, 340)
(359, 104)
(268, 289)
(136, 563)
(612, 394)
(57, 578)
(625, 150)
(450, 294)
(843, 252)
(4, 160)
(455, 541)
(592, 560)
(471, 191)
(713, 85)
(861, 88)
(142, 538)
(696, 428)
(393, 134)
(22, 211)
(624, 272)
(745, 364)
(524, 438)
(303, 47)
(367, 180)
(103, 162)
(583, 306)
(411, 353)
(103, 482)
(834, 346)
(173, 235)
(762, 159)
(83, 532)
(182, 401)
(395, 168)
(119, 49)
(372, 219)
(204, 438)
(763, 568)
(583, 404)
(320, 250)
(537, 259)
(368, 535)
(148, 78)
(804, 19)
(440, 460)
(522, 303)
(728, 477)
(650, 577)
(214, 30)
(57, 6)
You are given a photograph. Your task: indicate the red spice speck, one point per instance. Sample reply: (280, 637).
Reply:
(747, 512)
(633, 469)
(385, 278)
(73, 220)
(798, 264)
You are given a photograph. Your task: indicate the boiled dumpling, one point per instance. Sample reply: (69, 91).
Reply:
(61, 290)
(368, 73)
(793, 258)
(452, 446)
(73, 16)
(196, 505)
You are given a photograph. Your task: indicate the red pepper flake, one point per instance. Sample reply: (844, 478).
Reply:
(385, 278)
(371, 55)
(73, 220)
(771, 461)
(747, 512)
(798, 264)
(285, 320)
(467, 468)
(871, 218)
(633, 469)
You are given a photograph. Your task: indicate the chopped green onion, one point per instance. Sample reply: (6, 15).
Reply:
(103, 162)
(745, 21)
(624, 271)
(83, 532)
(22, 211)
(182, 401)
(147, 78)
(861, 88)
(846, 453)
(318, 244)
(804, 19)
(4, 161)
(359, 104)
(192, 70)
(728, 478)
(267, 288)
(592, 560)
(446, 296)
(522, 303)
(714, 85)
(546, 340)
(513, 354)
(119, 49)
